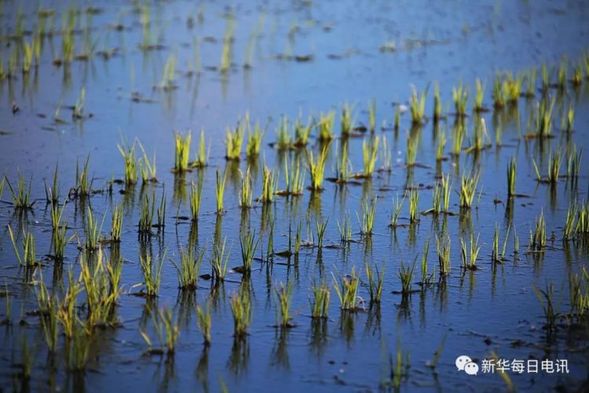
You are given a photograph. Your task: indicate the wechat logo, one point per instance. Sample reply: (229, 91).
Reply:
(465, 363)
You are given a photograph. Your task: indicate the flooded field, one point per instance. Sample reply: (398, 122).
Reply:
(294, 195)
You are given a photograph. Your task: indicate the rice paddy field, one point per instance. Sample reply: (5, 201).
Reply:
(294, 195)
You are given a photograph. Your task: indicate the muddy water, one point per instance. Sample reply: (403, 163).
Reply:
(306, 58)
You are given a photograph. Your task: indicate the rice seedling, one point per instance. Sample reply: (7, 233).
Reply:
(369, 151)
(50, 327)
(538, 236)
(375, 282)
(372, 116)
(545, 78)
(294, 179)
(152, 272)
(561, 75)
(347, 290)
(320, 226)
(254, 142)
(268, 185)
(468, 189)
(398, 370)
(346, 120)
(233, 143)
(200, 161)
(161, 212)
(583, 219)
(345, 229)
(246, 193)
(302, 132)
(195, 199)
(78, 350)
(220, 190)
(531, 83)
(544, 112)
(226, 52)
(171, 329)
(459, 130)
(511, 176)
(298, 241)
(219, 261)
(426, 277)
(188, 268)
(443, 250)
(570, 227)
(412, 145)
(396, 212)
(441, 146)
(51, 193)
(437, 103)
(368, 216)
(479, 96)
(320, 300)
(116, 224)
(546, 297)
(406, 276)
(497, 253)
(204, 323)
(317, 169)
(83, 182)
(100, 297)
(146, 214)
(128, 154)
(499, 98)
(413, 206)
(78, 111)
(469, 257)
(91, 231)
(512, 86)
(570, 119)
(248, 244)
(325, 126)
(386, 156)
(480, 137)
(460, 98)
(59, 240)
(577, 77)
(283, 141)
(241, 308)
(441, 196)
(21, 197)
(284, 297)
(182, 151)
(574, 164)
(417, 107)
(554, 162)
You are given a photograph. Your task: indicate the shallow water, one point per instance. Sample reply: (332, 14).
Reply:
(475, 313)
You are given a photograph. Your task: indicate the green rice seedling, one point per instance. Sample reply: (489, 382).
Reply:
(443, 250)
(413, 206)
(59, 240)
(195, 200)
(369, 151)
(298, 241)
(321, 226)
(83, 181)
(78, 111)
(220, 190)
(498, 93)
(182, 151)
(398, 370)
(27, 60)
(545, 78)
(254, 142)
(325, 126)
(544, 118)
(546, 297)
(161, 212)
(577, 77)
(396, 212)
(480, 137)
(219, 261)
(554, 163)
(347, 290)
(116, 223)
(469, 257)
(92, 231)
(343, 167)
(345, 229)
(441, 146)
(128, 154)
(368, 216)
(78, 351)
(417, 107)
(204, 323)
(101, 297)
(171, 329)
(531, 83)
(570, 119)
(512, 86)
(246, 193)
(51, 193)
(479, 96)
(412, 145)
(233, 143)
(283, 141)
(570, 226)
(320, 300)
(67, 310)
(146, 214)
(538, 236)
(294, 179)
(459, 131)
(21, 197)
(426, 277)
(437, 103)
(346, 120)
(561, 75)
(372, 116)
(446, 186)
(468, 189)
(202, 156)
(441, 196)
(386, 156)
(317, 169)
(460, 98)
(226, 52)
(302, 132)
(406, 276)
(152, 273)
(511, 177)
(284, 297)
(268, 185)
(248, 244)
(241, 308)
(56, 215)
(50, 327)
(583, 218)
(188, 268)
(497, 253)
(375, 282)
(574, 164)
(169, 74)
